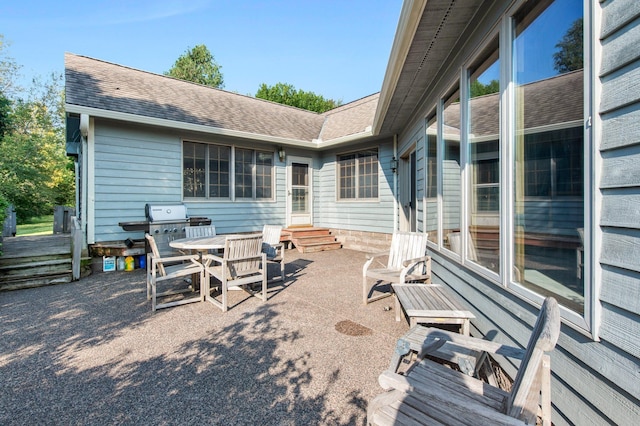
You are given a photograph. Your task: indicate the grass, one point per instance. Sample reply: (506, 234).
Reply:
(42, 225)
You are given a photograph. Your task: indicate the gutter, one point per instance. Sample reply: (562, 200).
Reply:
(315, 144)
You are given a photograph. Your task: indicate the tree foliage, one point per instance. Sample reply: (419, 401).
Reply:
(198, 66)
(286, 94)
(35, 173)
(479, 89)
(570, 54)
(9, 70)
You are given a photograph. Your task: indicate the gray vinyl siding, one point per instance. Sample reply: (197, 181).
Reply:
(359, 215)
(136, 165)
(132, 167)
(620, 189)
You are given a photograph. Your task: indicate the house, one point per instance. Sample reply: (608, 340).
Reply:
(537, 177)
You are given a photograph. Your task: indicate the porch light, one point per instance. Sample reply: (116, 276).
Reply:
(393, 164)
(281, 154)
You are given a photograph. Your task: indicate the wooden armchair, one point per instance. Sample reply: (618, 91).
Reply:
(406, 262)
(242, 264)
(431, 393)
(200, 231)
(165, 269)
(273, 248)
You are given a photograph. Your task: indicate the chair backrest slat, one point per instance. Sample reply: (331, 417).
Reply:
(246, 246)
(404, 246)
(523, 399)
(156, 253)
(271, 234)
(200, 231)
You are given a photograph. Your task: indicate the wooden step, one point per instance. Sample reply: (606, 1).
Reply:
(315, 247)
(35, 269)
(35, 261)
(31, 282)
(312, 239)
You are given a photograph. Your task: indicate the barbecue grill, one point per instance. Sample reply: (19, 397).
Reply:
(166, 222)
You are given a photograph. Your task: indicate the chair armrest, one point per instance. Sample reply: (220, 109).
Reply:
(468, 342)
(175, 258)
(412, 262)
(209, 258)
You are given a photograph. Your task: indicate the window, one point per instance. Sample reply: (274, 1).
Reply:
(483, 137)
(451, 168)
(207, 172)
(358, 175)
(548, 168)
(432, 179)
(523, 153)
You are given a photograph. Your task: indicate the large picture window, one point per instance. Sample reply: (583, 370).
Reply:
(358, 175)
(207, 172)
(522, 153)
(548, 168)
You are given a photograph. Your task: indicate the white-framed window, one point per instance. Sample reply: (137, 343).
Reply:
(358, 175)
(515, 138)
(209, 172)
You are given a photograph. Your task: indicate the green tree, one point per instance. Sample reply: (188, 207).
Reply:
(199, 66)
(9, 70)
(479, 89)
(287, 94)
(35, 173)
(570, 54)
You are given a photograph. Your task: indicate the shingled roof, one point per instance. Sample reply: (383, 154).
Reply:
(102, 86)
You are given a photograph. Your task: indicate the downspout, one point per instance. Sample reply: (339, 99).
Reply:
(395, 184)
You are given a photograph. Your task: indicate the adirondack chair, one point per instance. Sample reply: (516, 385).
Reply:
(167, 269)
(431, 393)
(241, 265)
(406, 262)
(273, 248)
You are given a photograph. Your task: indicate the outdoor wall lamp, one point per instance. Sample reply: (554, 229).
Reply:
(281, 154)
(393, 164)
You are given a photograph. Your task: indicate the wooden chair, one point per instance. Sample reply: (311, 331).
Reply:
(242, 264)
(406, 262)
(273, 248)
(161, 269)
(200, 231)
(431, 393)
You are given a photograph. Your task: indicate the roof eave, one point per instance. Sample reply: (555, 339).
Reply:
(153, 121)
(408, 23)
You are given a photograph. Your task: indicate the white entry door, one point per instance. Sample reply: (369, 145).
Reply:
(299, 191)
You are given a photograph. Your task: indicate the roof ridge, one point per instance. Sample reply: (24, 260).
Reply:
(192, 83)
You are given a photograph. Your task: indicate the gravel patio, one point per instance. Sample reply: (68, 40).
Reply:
(92, 352)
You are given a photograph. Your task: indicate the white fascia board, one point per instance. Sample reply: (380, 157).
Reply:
(152, 121)
(343, 139)
(410, 17)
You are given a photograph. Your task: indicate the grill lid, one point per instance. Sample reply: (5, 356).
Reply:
(165, 212)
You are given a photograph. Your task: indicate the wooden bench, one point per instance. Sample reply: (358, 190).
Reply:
(430, 304)
(431, 393)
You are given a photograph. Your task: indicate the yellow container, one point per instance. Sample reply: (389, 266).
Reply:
(129, 263)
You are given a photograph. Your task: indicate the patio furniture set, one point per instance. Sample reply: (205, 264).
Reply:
(428, 391)
(236, 261)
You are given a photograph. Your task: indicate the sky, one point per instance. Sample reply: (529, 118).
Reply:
(335, 48)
